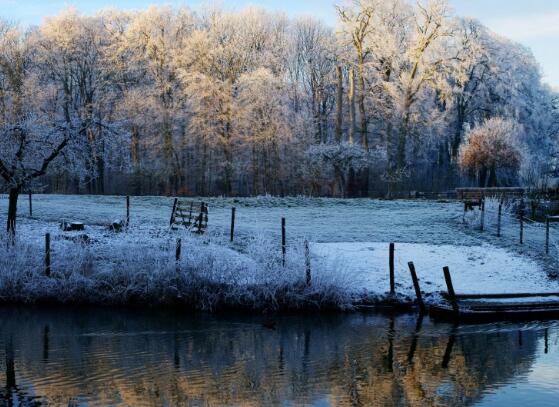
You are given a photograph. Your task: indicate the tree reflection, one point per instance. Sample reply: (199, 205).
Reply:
(105, 356)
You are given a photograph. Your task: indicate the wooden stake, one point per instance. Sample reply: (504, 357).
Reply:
(391, 268)
(522, 226)
(30, 206)
(127, 211)
(482, 208)
(233, 210)
(178, 254)
(308, 262)
(416, 287)
(47, 255)
(450, 289)
(173, 212)
(283, 244)
(499, 217)
(547, 235)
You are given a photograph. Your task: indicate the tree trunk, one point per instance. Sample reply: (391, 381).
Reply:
(339, 103)
(12, 211)
(362, 115)
(351, 100)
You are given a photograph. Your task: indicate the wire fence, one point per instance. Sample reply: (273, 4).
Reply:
(511, 223)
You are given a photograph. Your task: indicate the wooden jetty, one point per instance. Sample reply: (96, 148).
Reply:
(474, 308)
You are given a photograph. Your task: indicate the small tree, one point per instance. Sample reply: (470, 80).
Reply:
(490, 147)
(30, 139)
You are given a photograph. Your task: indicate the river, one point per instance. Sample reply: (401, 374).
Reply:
(64, 356)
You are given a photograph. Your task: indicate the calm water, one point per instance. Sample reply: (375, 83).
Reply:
(107, 357)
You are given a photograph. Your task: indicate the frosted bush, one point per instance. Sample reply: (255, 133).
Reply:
(139, 267)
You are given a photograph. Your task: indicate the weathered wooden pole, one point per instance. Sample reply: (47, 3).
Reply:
(127, 211)
(233, 210)
(283, 244)
(47, 255)
(175, 203)
(202, 212)
(416, 287)
(30, 205)
(499, 218)
(522, 226)
(547, 235)
(308, 263)
(391, 268)
(178, 251)
(450, 289)
(482, 208)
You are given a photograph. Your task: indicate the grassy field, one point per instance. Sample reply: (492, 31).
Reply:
(349, 242)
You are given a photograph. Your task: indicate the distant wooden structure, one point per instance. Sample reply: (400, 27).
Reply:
(478, 194)
(190, 215)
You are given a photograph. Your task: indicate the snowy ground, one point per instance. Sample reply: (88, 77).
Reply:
(349, 251)
(475, 269)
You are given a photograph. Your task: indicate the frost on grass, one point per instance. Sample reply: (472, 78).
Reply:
(139, 267)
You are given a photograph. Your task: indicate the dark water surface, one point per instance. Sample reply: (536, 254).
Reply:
(99, 357)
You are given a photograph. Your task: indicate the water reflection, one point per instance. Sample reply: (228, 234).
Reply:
(108, 357)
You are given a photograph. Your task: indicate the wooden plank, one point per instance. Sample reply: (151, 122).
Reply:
(503, 295)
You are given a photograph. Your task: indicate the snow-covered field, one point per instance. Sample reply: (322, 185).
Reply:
(480, 269)
(349, 253)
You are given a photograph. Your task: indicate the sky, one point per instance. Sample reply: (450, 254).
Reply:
(534, 23)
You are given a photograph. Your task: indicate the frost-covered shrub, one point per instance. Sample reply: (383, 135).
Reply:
(133, 268)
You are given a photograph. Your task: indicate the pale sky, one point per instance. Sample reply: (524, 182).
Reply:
(534, 23)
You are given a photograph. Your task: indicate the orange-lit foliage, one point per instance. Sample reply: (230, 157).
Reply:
(490, 146)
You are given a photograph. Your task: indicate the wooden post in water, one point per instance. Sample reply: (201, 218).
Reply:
(178, 251)
(547, 235)
(416, 287)
(450, 289)
(233, 210)
(499, 218)
(283, 244)
(308, 262)
(522, 226)
(391, 268)
(173, 212)
(47, 255)
(30, 205)
(127, 211)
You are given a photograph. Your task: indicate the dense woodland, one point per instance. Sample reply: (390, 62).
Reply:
(396, 97)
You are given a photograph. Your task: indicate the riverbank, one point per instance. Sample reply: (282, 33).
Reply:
(139, 266)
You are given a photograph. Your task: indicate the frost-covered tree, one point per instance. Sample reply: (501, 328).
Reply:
(490, 147)
(33, 135)
(171, 101)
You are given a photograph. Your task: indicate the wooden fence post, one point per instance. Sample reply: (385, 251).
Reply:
(391, 268)
(482, 208)
(127, 211)
(522, 226)
(283, 244)
(499, 218)
(47, 254)
(450, 289)
(308, 262)
(178, 251)
(175, 203)
(30, 205)
(201, 219)
(233, 210)
(547, 235)
(416, 287)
